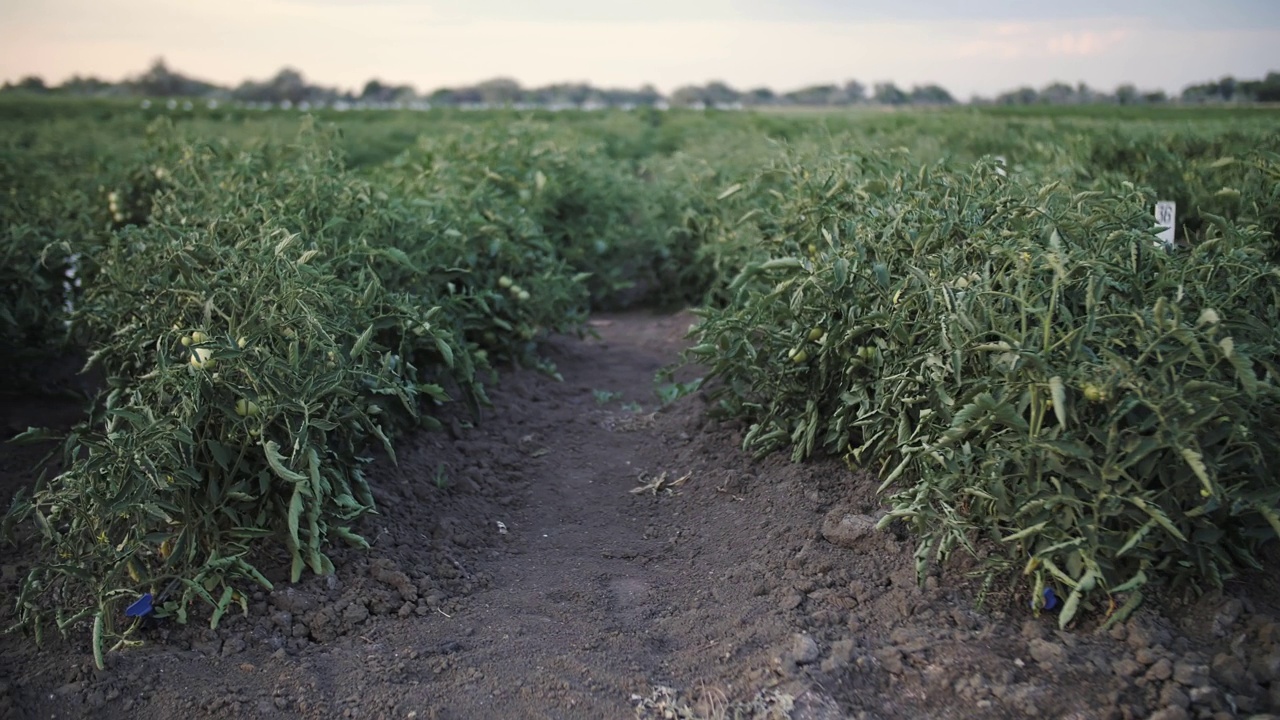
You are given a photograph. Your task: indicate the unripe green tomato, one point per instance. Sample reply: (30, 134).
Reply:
(202, 358)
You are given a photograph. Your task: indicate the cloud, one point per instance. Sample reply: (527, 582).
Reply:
(1087, 43)
(1012, 41)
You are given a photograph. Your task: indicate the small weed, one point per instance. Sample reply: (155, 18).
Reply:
(604, 397)
(670, 392)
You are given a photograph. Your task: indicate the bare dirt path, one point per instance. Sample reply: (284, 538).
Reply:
(514, 574)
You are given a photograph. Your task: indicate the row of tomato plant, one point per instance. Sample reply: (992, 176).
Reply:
(1017, 357)
(264, 318)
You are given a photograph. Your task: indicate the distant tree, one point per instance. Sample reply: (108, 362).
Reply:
(855, 92)
(376, 91)
(718, 93)
(759, 96)
(688, 96)
(573, 94)
(1127, 94)
(403, 93)
(1155, 97)
(813, 95)
(32, 84)
(443, 96)
(467, 96)
(287, 85)
(1268, 89)
(613, 97)
(931, 95)
(77, 85)
(647, 96)
(1058, 94)
(1223, 90)
(1227, 88)
(160, 81)
(887, 93)
(499, 91)
(579, 93)
(1194, 94)
(373, 91)
(1021, 96)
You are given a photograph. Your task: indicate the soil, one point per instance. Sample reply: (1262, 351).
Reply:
(580, 552)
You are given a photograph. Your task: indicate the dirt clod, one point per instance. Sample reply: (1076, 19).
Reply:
(847, 529)
(1173, 712)
(1229, 671)
(804, 649)
(1190, 674)
(1048, 654)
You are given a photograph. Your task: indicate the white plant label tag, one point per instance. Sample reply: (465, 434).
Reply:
(1166, 217)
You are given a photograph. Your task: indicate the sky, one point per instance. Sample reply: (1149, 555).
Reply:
(968, 46)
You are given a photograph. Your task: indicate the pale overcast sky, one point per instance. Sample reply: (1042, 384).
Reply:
(967, 46)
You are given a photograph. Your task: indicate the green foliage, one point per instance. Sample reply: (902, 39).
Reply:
(45, 202)
(32, 299)
(248, 371)
(1003, 341)
(555, 191)
(476, 242)
(1020, 362)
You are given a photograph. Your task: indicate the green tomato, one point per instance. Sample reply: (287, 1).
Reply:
(202, 358)
(1094, 393)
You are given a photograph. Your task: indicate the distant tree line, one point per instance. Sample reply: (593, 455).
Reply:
(289, 87)
(1080, 94)
(1228, 89)
(717, 94)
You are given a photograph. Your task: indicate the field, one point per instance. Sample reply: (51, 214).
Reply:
(655, 414)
